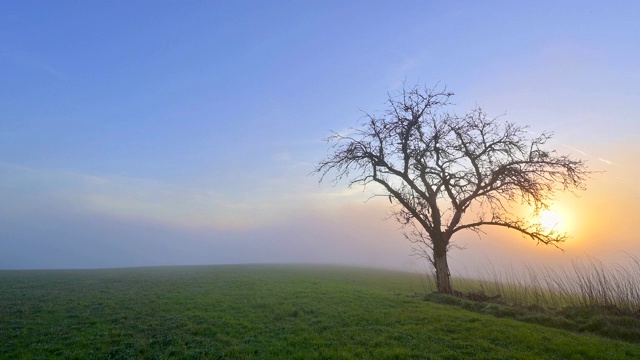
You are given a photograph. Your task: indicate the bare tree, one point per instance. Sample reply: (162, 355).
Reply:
(447, 173)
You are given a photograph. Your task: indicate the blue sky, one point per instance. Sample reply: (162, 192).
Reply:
(165, 132)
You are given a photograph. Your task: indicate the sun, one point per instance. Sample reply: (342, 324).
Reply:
(550, 221)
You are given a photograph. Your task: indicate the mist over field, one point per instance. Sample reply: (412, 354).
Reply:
(97, 240)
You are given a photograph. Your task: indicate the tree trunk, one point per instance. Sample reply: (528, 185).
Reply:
(443, 278)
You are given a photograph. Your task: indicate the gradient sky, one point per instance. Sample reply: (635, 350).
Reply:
(139, 133)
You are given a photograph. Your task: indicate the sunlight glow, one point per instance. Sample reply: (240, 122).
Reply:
(550, 220)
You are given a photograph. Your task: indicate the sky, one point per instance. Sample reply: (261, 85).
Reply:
(144, 133)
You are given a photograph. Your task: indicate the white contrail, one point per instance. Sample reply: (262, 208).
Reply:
(576, 150)
(608, 162)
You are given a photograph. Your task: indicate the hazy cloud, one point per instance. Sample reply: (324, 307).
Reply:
(58, 237)
(166, 203)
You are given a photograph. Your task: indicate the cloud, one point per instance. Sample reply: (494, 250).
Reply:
(54, 237)
(178, 205)
(344, 132)
(149, 200)
(606, 161)
(64, 219)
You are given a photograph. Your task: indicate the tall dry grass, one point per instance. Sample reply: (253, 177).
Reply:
(585, 283)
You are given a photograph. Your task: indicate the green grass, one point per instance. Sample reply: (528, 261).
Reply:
(258, 312)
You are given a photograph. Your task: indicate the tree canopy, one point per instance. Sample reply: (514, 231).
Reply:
(447, 173)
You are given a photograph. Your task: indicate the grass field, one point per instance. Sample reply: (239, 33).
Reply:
(258, 312)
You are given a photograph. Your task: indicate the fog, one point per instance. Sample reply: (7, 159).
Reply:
(50, 238)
